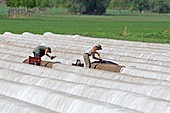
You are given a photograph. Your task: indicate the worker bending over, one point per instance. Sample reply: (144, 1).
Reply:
(40, 51)
(91, 52)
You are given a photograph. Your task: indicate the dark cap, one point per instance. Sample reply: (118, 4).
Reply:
(49, 49)
(99, 47)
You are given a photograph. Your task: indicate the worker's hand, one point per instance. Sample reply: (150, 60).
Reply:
(100, 60)
(52, 57)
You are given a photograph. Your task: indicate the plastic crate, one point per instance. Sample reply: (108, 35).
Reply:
(34, 60)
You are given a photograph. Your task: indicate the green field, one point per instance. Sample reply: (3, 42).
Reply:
(135, 27)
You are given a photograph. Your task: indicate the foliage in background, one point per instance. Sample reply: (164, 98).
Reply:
(121, 26)
(136, 27)
(95, 7)
(158, 6)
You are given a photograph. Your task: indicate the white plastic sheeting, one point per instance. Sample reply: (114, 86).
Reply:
(11, 105)
(111, 84)
(57, 101)
(143, 85)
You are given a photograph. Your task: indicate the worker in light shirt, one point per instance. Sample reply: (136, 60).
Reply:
(92, 52)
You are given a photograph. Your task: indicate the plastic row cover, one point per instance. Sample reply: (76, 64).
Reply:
(114, 97)
(11, 105)
(56, 101)
(129, 52)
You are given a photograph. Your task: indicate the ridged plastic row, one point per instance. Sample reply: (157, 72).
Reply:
(74, 56)
(142, 86)
(56, 75)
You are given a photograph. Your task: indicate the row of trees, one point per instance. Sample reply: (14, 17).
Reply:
(158, 6)
(28, 7)
(97, 7)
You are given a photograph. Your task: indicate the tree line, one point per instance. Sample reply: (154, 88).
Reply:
(95, 7)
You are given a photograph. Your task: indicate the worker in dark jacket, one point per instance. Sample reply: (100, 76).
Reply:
(40, 51)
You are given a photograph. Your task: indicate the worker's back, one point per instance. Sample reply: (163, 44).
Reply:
(40, 50)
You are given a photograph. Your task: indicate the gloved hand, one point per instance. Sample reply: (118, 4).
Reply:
(52, 57)
(100, 60)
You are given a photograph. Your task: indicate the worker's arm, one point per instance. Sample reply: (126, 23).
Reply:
(46, 53)
(96, 57)
(52, 57)
(95, 52)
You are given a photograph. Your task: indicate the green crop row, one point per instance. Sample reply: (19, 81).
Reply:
(144, 27)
